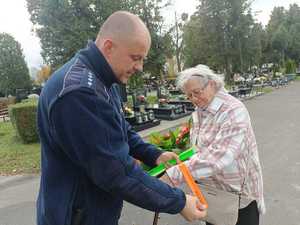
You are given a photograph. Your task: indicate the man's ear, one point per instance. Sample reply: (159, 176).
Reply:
(107, 47)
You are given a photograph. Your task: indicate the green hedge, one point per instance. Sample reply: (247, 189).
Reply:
(23, 118)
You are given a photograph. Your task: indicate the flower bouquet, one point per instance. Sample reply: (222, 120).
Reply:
(176, 141)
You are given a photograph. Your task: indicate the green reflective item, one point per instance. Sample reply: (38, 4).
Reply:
(161, 167)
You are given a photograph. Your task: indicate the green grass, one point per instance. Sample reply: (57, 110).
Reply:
(267, 89)
(16, 157)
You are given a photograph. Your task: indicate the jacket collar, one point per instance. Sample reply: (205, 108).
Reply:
(95, 59)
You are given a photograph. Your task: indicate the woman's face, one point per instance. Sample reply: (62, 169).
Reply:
(198, 93)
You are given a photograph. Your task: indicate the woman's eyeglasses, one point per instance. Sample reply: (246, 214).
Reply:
(196, 92)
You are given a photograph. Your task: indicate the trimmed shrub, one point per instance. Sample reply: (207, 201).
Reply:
(290, 66)
(23, 118)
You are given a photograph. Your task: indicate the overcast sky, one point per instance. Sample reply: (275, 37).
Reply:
(14, 19)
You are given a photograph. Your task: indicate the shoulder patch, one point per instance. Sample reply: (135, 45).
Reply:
(78, 76)
(88, 79)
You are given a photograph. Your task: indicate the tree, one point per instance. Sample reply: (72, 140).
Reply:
(293, 25)
(290, 66)
(195, 50)
(277, 20)
(218, 35)
(293, 50)
(205, 35)
(176, 38)
(279, 43)
(150, 12)
(43, 74)
(13, 69)
(283, 32)
(254, 46)
(65, 26)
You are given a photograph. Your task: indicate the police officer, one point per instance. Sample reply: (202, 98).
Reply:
(88, 148)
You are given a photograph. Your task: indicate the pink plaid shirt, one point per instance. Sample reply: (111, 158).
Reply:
(226, 149)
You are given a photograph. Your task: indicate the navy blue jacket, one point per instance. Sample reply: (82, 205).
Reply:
(88, 149)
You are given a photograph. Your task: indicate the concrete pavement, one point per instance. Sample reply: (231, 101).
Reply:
(17, 200)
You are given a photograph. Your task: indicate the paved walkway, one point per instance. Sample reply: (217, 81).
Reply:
(276, 122)
(275, 118)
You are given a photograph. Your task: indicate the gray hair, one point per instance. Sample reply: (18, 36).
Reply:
(203, 73)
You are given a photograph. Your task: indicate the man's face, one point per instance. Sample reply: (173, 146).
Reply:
(127, 57)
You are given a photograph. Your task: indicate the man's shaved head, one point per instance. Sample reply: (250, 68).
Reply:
(122, 25)
(124, 41)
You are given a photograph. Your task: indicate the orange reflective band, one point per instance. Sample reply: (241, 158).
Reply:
(192, 184)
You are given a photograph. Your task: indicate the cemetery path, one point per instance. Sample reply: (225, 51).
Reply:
(276, 122)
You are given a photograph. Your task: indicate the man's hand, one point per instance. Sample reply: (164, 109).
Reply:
(165, 157)
(193, 209)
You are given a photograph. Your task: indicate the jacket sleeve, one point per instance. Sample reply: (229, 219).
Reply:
(138, 149)
(87, 130)
(141, 150)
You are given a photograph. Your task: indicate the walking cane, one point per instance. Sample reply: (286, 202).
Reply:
(155, 219)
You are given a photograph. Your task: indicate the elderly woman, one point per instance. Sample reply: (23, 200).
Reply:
(227, 156)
